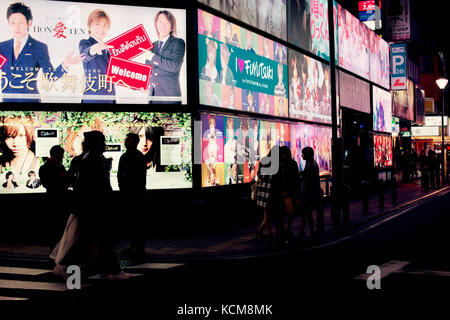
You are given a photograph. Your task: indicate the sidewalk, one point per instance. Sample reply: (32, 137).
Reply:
(242, 241)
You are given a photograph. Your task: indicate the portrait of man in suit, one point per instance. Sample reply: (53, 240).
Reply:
(26, 56)
(97, 58)
(166, 58)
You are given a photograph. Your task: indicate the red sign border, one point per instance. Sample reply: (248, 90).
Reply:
(120, 35)
(134, 62)
(4, 61)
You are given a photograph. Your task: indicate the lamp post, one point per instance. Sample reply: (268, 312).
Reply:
(442, 83)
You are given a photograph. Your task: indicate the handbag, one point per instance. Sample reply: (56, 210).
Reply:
(68, 239)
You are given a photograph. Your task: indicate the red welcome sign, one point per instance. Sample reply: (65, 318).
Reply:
(128, 45)
(2, 61)
(129, 74)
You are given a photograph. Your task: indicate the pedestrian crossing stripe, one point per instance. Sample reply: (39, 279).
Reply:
(2, 298)
(32, 285)
(23, 271)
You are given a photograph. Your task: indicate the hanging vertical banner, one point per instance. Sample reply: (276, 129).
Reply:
(398, 66)
(398, 20)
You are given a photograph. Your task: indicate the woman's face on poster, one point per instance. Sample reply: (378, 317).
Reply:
(232, 97)
(18, 144)
(212, 150)
(250, 101)
(280, 73)
(99, 28)
(249, 40)
(234, 170)
(209, 23)
(230, 131)
(145, 144)
(164, 26)
(211, 57)
(228, 30)
(212, 128)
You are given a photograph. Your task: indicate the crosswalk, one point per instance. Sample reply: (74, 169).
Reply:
(22, 282)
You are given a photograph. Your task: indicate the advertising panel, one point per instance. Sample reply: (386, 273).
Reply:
(382, 147)
(239, 69)
(400, 106)
(398, 66)
(395, 127)
(63, 52)
(382, 110)
(309, 89)
(316, 137)
(232, 147)
(266, 15)
(425, 131)
(420, 105)
(431, 121)
(379, 61)
(354, 93)
(353, 44)
(26, 138)
(308, 26)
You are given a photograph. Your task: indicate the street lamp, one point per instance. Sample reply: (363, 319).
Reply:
(442, 83)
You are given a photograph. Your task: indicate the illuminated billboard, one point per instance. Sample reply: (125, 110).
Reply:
(73, 52)
(239, 69)
(308, 26)
(382, 147)
(382, 110)
(316, 137)
(266, 15)
(26, 138)
(379, 61)
(309, 89)
(403, 102)
(353, 43)
(233, 146)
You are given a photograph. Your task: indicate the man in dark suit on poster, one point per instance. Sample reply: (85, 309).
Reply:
(166, 58)
(97, 58)
(26, 56)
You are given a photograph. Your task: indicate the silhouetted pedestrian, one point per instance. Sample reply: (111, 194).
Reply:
(309, 191)
(94, 213)
(431, 170)
(436, 166)
(285, 192)
(132, 175)
(53, 177)
(423, 164)
(414, 162)
(264, 196)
